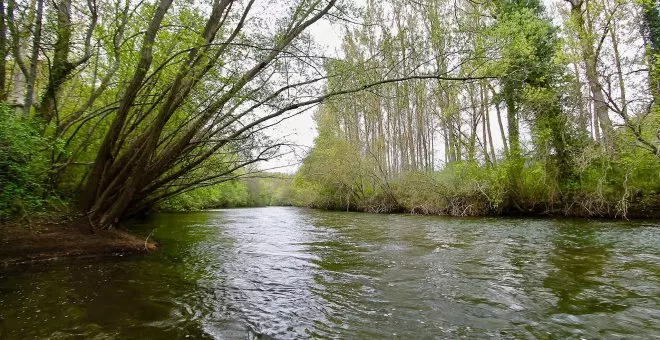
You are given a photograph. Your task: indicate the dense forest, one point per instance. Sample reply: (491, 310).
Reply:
(558, 113)
(111, 109)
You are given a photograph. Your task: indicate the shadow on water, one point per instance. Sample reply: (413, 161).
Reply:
(139, 297)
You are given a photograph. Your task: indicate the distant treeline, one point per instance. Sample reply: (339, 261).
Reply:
(270, 189)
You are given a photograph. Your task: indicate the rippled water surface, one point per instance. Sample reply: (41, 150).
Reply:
(297, 273)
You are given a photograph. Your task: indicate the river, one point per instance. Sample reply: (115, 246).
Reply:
(299, 273)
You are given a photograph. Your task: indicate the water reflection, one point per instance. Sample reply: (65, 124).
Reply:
(131, 297)
(296, 273)
(589, 280)
(579, 258)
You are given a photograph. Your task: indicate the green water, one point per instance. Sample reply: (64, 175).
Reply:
(297, 273)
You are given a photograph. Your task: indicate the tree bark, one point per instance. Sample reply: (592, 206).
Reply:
(61, 68)
(651, 17)
(18, 48)
(512, 120)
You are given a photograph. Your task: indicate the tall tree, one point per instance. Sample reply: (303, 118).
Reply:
(591, 47)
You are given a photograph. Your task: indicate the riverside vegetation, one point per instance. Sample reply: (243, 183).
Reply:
(559, 128)
(113, 109)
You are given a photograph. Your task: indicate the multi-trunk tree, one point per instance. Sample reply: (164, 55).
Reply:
(152, 99)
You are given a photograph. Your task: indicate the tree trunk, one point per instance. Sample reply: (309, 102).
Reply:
(18, 49)
(651, 17)
(493, 155)
(505, 145)
(34, 59)
(583, 118)
(3, 52)
(512, 120)
(590, 58)
(474, 122)
(61, 67)
(105, 156)
(483, 96)
(617, 62)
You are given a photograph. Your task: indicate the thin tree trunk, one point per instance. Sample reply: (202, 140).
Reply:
(512, 121)
(474, 122)
(3, 51)
(493, 155)
(484, 122)
(584, 118)
(34, 59)
(500, 124)
(617, 62)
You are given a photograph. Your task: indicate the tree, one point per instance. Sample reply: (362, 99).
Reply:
(154, 102)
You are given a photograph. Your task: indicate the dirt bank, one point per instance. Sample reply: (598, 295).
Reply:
(49, 241)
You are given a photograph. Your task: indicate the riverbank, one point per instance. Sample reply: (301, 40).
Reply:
(44, 241)
(473, 210)
(647, 211)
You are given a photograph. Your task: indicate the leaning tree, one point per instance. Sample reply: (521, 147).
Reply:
(146, 100)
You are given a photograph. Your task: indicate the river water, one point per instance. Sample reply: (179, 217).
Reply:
(298, 273)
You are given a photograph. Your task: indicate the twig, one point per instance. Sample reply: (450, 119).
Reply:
(147, 239)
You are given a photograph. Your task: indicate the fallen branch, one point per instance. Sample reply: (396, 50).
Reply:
(146, 241)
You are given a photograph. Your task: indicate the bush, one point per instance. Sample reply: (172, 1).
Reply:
(627, 184)
(23, 164)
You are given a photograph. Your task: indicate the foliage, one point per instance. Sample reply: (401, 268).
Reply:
(628, 187)
(158, 98)
(225, 195)
(23, 165)
(270, 189)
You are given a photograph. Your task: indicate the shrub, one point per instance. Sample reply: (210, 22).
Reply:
(23, 164)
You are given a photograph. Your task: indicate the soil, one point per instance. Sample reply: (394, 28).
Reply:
(43, 241)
